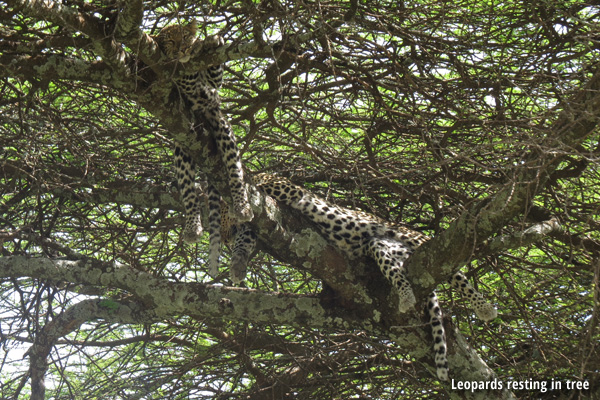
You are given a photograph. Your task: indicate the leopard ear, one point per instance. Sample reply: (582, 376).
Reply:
(193, 26)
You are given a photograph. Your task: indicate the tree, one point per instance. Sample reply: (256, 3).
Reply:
(473, 123)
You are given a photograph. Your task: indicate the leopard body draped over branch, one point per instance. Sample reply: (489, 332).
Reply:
(354, 232)
(200, 92)
(360, 234)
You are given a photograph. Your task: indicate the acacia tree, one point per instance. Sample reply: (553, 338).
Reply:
(473, 123)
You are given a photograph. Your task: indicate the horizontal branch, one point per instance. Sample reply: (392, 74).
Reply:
(49, 67)
(195, 299)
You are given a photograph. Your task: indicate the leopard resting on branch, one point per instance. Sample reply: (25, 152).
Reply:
(354, 232)
(357, 234)
(361, 234)
(199, 91)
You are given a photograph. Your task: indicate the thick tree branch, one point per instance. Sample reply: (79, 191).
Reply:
(49, 67)
(199, 300)
(69, 321)
(163, 299)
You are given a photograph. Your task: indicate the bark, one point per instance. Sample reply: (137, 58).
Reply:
(195, 299)
(69, 321)
(160, 299)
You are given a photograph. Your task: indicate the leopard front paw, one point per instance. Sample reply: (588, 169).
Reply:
(442, 372)
(237, 270)
(209, 43)
(193, 230)
(486, 312)
(213, 265)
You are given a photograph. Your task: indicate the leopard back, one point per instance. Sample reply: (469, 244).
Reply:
(361, 234)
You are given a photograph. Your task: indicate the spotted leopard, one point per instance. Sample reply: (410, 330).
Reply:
(200, 92)
(361, 234)
(224, 229)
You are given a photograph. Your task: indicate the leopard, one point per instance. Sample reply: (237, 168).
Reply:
(352, 231)
(200, 92)
(358, 233)
(223, 229)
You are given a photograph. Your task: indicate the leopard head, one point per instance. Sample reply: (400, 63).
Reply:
(176, 41)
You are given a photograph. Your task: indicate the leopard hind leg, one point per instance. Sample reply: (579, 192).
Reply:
(243, 245)
(390, 256)
(214, 229)
(185, 171)
(223, 134)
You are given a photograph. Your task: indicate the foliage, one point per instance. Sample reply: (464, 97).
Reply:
(421, 112)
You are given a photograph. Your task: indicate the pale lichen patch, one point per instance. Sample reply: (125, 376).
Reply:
(308, 244)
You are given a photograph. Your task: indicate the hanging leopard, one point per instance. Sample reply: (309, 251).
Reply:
(354, 232)
(200, 92)
(360, 234)
(222, 228)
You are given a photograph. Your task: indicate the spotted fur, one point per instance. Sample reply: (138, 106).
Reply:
(354, 232)
(361, 234)
(200, 92)
(224, 229)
